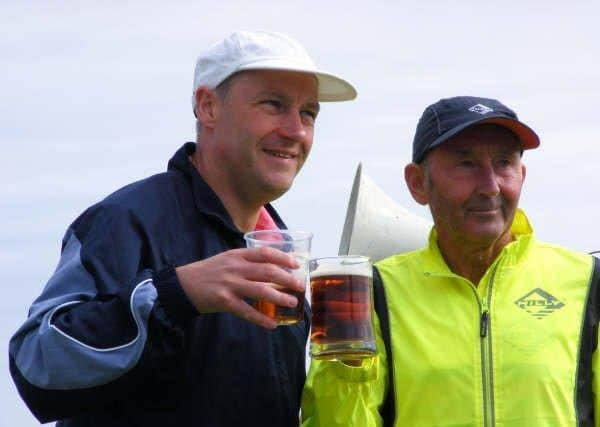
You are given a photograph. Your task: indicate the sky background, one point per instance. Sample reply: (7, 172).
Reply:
(97, 94)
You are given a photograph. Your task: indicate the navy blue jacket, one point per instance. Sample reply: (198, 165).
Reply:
(113, 340)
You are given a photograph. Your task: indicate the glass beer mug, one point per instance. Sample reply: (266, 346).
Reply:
(341, 300)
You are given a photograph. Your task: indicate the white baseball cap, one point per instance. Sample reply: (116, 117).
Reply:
(264, 50)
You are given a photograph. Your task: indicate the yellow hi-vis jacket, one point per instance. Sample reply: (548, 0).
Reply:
(516, 350)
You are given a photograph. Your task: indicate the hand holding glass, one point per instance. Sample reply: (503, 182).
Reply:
(296, 243)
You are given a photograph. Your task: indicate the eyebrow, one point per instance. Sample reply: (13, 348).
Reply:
(313, 105)
(462, 151)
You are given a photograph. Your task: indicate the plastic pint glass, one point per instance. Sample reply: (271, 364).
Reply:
(298, 244)
(342, 318)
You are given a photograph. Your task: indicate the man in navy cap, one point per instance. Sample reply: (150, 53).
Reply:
(147, 320)
(486, 325)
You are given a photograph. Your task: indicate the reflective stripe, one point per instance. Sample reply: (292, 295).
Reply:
(588, 343)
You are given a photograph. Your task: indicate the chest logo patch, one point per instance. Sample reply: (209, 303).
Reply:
(539, 303)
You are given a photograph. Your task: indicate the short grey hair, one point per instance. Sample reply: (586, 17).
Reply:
(222, 92)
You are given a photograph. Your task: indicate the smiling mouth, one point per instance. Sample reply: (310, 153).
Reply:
(484, 211)
(279, 154)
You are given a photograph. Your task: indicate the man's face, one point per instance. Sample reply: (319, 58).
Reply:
(472, 184)
(264, 130)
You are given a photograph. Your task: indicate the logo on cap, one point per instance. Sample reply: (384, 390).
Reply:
(481, 109)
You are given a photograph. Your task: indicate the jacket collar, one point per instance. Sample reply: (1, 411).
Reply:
(511, 254)
(206, 200)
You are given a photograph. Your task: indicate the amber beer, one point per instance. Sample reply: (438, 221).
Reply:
(296, 243)
(283, 315)
(342, 325)
(287, 315)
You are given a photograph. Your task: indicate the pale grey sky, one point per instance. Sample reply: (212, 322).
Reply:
(96, 95)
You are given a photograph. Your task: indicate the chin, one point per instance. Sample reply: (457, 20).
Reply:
(279, 183)
(486, 237)
(276, 190)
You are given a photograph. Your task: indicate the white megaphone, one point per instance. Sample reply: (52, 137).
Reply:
(378, 227)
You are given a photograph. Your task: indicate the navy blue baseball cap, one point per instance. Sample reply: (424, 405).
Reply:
(449, 116)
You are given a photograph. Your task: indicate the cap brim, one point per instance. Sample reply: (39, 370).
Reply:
(331, 87)
(526, 135)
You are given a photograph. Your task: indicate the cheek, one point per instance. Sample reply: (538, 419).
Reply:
(442, 204)
(511, 189)
(451, 189)
(308, 144)
(515, 194)
(453, 196)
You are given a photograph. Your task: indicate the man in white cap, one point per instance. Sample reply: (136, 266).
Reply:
(147, 319)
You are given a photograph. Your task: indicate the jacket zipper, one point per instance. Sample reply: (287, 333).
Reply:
(487, 369)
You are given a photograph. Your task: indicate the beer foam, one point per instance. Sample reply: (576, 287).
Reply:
(353, 269)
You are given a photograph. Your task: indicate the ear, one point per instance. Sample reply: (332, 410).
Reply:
(207, 106)
(523, 172)
(414, 175)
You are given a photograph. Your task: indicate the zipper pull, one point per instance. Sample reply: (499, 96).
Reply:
(484, 324)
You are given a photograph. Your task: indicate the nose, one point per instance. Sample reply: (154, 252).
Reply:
(292, 127)
(488, 180)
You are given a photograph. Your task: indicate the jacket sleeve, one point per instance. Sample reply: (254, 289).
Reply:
(336, 394)
(97, 331)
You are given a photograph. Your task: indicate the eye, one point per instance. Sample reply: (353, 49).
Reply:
(506, 162)
(273, 104)
(310, 115)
